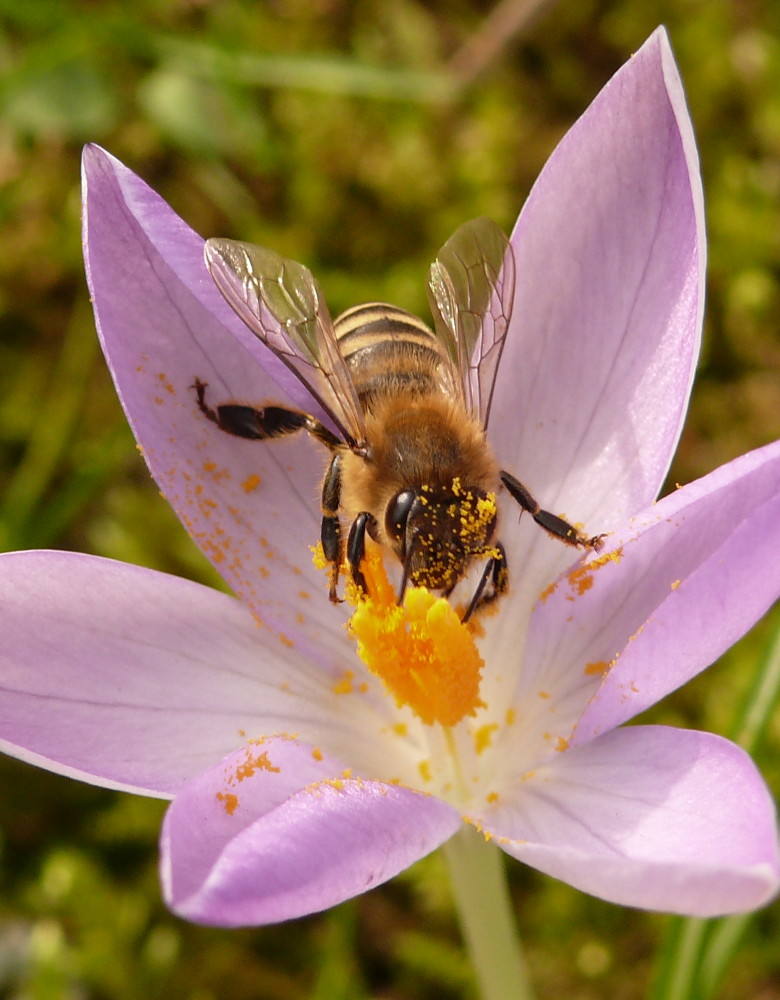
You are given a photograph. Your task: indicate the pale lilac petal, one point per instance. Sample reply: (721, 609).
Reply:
(278, 831)
(173, 258)
(252, 507)
(691, 575)
(663, 819)
(600, 355)
(133, 679)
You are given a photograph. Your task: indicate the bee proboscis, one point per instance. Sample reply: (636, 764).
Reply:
(410, 466)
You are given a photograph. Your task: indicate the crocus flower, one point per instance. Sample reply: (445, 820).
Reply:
(297, 780)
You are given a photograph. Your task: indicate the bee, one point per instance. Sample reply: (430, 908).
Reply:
(410, 466)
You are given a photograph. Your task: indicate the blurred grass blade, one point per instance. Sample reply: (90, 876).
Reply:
(338, 977)
(749, 730)
(722, 945)
(696, 954)
(51, 430)
(327, 74)
(679, 960)
(761, 700)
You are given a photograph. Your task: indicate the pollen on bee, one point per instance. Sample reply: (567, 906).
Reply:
(477, 513)
(318, 556)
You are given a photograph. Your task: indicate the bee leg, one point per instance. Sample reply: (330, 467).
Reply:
(330, 533)
(495, 572)
(261, 424)
(550, 522)
(268, 422)
(356, 546)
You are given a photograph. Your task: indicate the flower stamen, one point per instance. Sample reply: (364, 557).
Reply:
(424, 654)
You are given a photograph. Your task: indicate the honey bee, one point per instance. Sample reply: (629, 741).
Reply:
(410, 466)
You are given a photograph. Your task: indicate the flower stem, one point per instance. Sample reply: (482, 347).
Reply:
(486, 917)
(696, 953)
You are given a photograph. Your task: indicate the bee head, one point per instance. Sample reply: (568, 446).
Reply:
(436, 532)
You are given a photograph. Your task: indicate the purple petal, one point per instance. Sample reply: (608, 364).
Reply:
(277, 831)
(610, 253)
(123, 216)
(695, 572)
(663, 819)
(250, 506)
(133, 679)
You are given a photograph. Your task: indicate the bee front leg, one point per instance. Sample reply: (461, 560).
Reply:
(330, 533)
(356, 546)
(550, 522)
(495, 573)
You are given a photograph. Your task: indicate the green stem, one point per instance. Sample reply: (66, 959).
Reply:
(486, 916)
(681, 960)
(697, 953)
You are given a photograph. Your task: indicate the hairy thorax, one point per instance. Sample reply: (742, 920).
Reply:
(416, 442)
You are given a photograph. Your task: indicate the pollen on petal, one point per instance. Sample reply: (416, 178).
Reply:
(424, 767)
(345, 684)
(229, 802)
(484, 736)
(251, 483)
(421, 650)
(251, 763)
(581, 578)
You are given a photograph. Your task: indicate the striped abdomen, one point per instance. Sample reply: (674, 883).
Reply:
(389, 352)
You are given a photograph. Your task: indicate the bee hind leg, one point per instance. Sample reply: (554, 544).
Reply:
(261, 423)
(550, 522)
(268, 422)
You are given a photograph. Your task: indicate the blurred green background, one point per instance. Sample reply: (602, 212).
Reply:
(353, 137)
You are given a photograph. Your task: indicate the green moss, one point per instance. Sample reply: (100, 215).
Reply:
(344, 136)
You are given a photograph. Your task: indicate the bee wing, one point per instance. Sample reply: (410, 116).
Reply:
(471, 287)
(282, 304)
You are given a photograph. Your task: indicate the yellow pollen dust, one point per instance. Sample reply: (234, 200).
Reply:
(424, 654)
(476, 513)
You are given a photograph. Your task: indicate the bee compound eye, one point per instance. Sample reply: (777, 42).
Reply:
(397, 513)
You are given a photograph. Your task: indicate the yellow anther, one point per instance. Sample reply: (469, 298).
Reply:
(422, 652)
